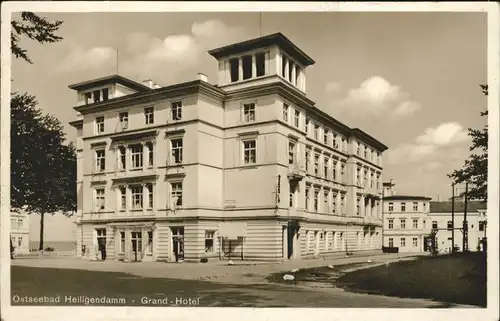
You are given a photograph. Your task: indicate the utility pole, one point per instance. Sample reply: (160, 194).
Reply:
(452, 217)
(465, 246)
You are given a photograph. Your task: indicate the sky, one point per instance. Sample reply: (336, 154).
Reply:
(409, 79)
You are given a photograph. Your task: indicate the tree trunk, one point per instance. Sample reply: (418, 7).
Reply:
(40, 248)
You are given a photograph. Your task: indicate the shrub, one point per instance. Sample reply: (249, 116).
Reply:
(49, 249)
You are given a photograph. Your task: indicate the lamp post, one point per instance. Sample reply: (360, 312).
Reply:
(452, 217)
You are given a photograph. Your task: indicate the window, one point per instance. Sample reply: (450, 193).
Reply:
(97, 96)
(334, 203)
(260, 63)
(415, 223)
(316, 196)
(136, 154)
(316, 131)
(291, 198)
(100, 160)
(176, 108)
(176, 150)
(20, 223)
(403, 223)
(99, 199)
(290, 69)
(308, 190)
(325, 137)
(284, 62)
(403, 242)
(424, 205)
(391, 242)
(291, 152)
(150, 195)
(325, 166)
(403, 207)
(391, 223)
(325, 203)
(247, 66)
(334, 165)
(99, 124)
(297, 118)
(151, 154)
(88, 98)
(415, 242)
(316, 164)
(249, 152)
(149, 115)
(342, 172)
(209, 241)
(482, 225)
(308, 157)
(334, 141)
(342, 204)
(415, 206)
(19, 241)
(123, 198)
(136, 197)
(177, 193)
(234, 65)
(122, 242)
(105, 94)
(365, 178)
(285, 113)
(358, 206)
(123, 160)
(297, 74)
(358, 149)
(149, 249)
(307, 126)
(434, 224)
(449, 225)
(423, 223)
(371, 180)
(358, 172)
(123, 120)
(366, 152)
(249, 112)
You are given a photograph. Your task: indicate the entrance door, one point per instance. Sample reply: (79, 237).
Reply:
(101, 242)
(178, 243)
(136, 239)
(291, 239)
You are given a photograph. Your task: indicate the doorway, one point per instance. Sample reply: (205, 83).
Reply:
(178, 243)
(136, 239)
(101, 243)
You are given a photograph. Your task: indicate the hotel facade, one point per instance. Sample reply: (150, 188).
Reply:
(20, 232)
(247, 169)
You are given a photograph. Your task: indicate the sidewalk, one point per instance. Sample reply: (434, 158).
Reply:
(216, 271)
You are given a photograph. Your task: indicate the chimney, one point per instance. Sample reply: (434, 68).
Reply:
(202, 77)
(148, 83)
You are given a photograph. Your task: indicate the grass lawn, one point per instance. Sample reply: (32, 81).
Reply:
(459, 278)
(36, 282)
(317, 274)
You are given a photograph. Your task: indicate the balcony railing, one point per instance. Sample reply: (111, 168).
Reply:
(296, 171)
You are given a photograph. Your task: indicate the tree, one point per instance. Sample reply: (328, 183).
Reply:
(33, 27)
(475, 169)
(43, 167)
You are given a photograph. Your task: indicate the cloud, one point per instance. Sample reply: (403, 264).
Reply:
(435, 142)
(160, 59)
(443, 135)
(80, 59)
(376, 96)
(333, 87)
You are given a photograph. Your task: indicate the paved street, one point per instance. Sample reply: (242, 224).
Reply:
(240, 285)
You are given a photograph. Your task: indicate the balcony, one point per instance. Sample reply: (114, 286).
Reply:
(296, 171)
(372, 220)
(371, 191)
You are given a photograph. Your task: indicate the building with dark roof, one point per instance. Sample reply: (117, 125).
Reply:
(249, 168)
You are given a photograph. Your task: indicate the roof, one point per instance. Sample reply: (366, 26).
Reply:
(356, 132)
(445, 206)
(406, 198)
(269, 40)
(110, 79)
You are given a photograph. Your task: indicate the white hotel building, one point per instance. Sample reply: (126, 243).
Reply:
(248, 169)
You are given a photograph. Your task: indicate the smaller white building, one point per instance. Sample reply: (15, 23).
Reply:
(20, 232)
(406, 222)
(450, 229)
